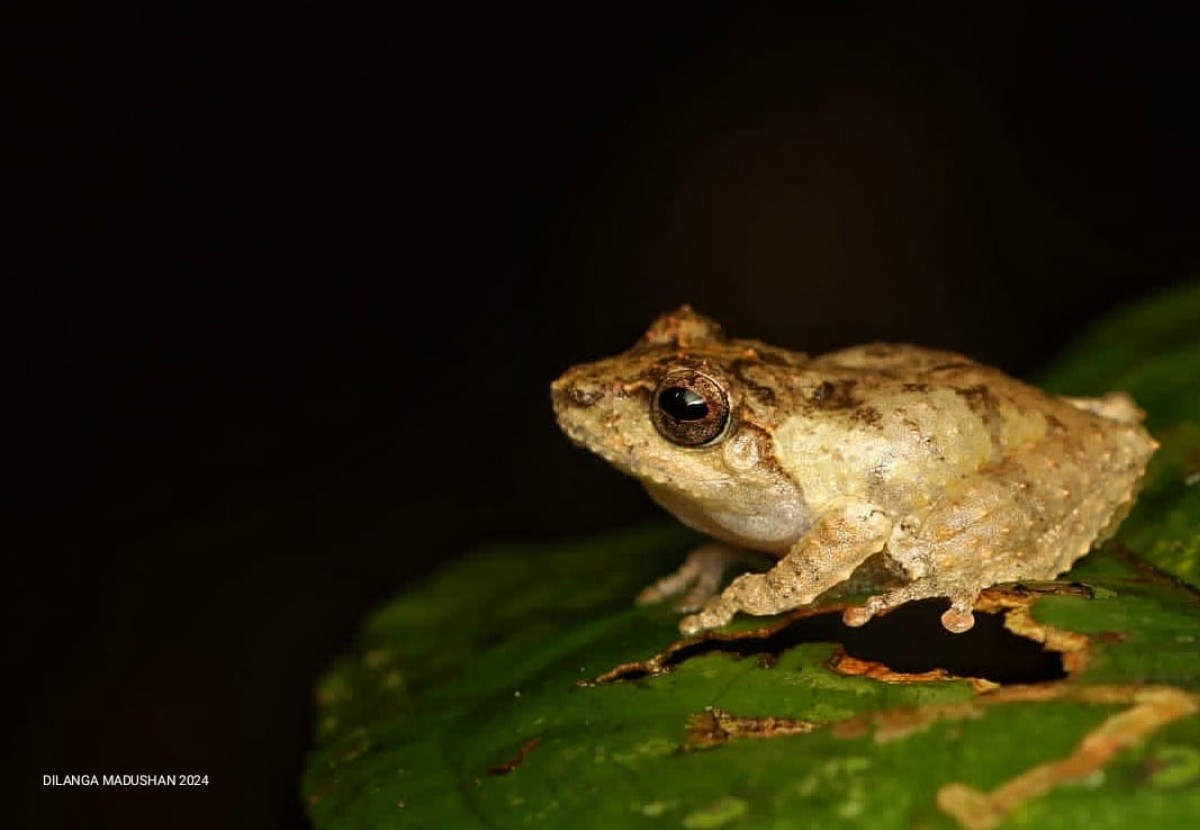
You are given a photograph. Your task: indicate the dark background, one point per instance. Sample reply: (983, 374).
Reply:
(291, 281)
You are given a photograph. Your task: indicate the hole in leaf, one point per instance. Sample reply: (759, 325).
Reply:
(909, 640)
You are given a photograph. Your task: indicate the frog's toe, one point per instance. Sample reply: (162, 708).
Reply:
(695, 581)
(650, 595)
(860, 615)
(716, 613)
(692, 601)
(669, 586)
(958, 617)
(691, 624)
(706, 586)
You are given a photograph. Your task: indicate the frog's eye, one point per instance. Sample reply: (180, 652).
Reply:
(689, 409)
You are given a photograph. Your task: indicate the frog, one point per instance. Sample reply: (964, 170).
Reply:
(916, 472)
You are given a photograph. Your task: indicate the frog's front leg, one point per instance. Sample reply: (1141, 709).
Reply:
(847, 533)
(699, 578)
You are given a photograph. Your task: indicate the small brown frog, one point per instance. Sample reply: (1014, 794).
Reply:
(915, 468)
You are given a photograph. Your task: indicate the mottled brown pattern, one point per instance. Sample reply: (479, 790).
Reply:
(986, 405)
(980, 398)
(830, 395)
(740, 369)
(866, 415)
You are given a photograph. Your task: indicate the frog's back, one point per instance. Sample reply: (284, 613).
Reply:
(892, 358)
(903, 383)
(900, 424)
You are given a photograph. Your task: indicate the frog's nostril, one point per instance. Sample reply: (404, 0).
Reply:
(570, 392)
(582, 396)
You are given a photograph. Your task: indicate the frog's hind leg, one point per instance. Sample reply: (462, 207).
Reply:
(957, 618)
(699, 578)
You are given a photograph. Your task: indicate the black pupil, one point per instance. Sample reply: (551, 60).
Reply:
(682, 404)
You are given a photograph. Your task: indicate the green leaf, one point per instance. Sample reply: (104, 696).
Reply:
(521, 687)
(1146, 350)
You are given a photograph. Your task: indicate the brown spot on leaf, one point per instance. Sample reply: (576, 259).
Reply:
(318, 795)
(514, 762)
(1153, 707)
(844, 664)
(714, 727)
(1149, 707)
(894, 724)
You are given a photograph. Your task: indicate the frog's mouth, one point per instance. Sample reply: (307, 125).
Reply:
(599, 432)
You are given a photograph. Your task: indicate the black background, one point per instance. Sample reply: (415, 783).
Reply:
(290, 281)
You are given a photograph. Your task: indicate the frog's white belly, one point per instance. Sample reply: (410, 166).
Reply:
(772, 522)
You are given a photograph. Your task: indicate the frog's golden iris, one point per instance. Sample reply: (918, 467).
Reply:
(690, 409)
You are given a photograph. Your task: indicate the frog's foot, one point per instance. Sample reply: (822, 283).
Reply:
(716, 613)
(957, 619)
(752, 593)
(697, 580)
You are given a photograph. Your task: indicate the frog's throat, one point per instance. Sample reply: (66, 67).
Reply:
(770, 524)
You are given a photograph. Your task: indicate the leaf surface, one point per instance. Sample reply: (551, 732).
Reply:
(521, 687)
